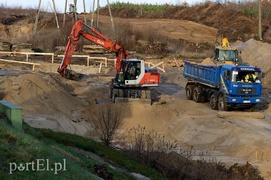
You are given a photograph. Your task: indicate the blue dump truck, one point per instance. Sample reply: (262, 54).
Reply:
(226, 86)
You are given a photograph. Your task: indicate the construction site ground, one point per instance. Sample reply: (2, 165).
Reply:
(51, 101)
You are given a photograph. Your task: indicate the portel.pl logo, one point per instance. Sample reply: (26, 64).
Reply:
(38, 165)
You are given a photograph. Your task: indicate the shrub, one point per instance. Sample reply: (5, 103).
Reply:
(107, 119)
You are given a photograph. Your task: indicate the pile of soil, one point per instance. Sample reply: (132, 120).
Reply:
(225, 18)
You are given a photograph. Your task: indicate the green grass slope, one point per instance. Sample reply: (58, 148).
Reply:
(44, 154)
(25, 157)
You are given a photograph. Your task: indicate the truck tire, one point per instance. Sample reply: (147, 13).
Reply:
(222, 105)
(197, 97)
(213, 102)
(189, 91)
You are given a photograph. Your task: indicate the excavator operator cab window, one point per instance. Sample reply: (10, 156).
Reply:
(223, 55)
(133, 71)
(226, 55)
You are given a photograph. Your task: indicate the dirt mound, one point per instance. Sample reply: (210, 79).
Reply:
(197, 28)
(123, 12)
(208, 62)
(225, 18)
(41, 93)
(46, 99)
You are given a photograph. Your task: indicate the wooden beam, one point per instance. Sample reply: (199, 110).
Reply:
(21, 62)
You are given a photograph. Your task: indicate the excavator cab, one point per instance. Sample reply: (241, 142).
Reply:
(228, 56)
(130, 71)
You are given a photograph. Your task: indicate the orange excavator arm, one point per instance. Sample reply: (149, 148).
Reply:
(96, 38)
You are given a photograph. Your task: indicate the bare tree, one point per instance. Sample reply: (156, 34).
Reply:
(147, 145)
(107, 119)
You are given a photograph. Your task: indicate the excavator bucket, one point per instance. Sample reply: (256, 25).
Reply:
(72, 75)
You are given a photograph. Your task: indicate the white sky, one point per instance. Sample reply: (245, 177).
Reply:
(47, 5)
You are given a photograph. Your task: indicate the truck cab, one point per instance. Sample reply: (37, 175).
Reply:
(237, 89)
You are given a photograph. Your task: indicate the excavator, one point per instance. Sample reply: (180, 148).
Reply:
(132, 80)
(225, 53)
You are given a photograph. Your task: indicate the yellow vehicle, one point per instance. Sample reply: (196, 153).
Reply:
(226, 53)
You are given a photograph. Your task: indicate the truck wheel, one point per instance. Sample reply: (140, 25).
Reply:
(213, 102)
(222, 105)
(197, 97)
(189, 92)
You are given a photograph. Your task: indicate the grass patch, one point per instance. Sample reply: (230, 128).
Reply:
(36, 158)
(110, 154)
(45, 153)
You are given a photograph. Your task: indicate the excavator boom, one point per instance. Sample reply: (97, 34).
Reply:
(94, 37)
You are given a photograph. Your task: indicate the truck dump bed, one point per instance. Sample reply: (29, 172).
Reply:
(208, 75)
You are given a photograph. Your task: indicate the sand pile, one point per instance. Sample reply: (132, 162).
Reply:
(208, 62)
(47, 101)
(255, 53)
(39, 93)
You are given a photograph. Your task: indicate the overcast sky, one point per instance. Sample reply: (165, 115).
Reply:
(47, 5)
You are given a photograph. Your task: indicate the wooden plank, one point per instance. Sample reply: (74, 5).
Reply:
(21, 62)
(100, 68)
(151, 65)
(29, 53)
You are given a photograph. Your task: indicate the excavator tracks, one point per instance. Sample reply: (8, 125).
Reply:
(131, 95)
